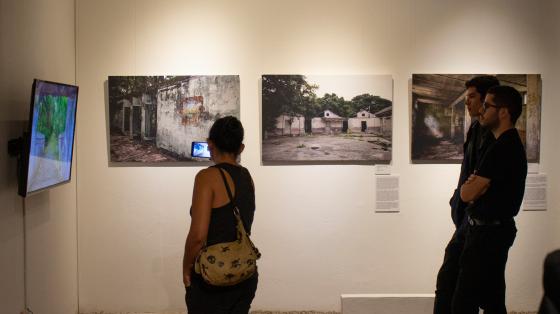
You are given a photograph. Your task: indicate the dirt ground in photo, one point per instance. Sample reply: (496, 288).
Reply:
(444, 150)
(126, 149)
(341, 147)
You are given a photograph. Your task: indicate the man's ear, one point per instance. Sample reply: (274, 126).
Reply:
(241, 148)
(504, 113)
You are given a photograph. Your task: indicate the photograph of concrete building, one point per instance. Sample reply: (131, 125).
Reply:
(326, 118)
(156, 118)
(440, 120)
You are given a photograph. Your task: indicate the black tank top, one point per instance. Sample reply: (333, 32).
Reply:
(222, 221)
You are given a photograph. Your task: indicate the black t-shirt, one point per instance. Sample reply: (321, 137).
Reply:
(505, 164)
(479, 139)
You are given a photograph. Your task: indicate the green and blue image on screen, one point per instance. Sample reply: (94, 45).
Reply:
(52, 134)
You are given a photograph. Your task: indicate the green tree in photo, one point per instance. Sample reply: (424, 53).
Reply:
(335, 104)
(369, 102)
(51, 121)
(286, 94)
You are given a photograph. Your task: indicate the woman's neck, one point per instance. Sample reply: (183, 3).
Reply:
(225, 159)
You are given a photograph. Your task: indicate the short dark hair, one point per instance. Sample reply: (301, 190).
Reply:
(482, 84)
(227, 134)
(510, 98)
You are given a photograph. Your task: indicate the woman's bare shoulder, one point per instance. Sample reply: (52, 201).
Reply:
(207, 175)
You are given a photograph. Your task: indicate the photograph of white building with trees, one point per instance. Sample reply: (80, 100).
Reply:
(327, 118)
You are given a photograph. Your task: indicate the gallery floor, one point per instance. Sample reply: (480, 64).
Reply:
(261, 312)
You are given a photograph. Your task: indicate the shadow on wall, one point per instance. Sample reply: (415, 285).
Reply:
(12, 203)
(171, 278)
(10, 200)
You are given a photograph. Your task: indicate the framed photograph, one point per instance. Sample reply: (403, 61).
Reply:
(327, 119)
(440, 120)
(155, 119)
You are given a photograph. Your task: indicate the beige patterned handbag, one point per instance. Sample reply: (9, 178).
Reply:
(229, 263)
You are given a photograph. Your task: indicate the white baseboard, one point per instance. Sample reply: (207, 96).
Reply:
(387, 303)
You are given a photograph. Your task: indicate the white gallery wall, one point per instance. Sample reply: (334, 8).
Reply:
(550, 113)
(552, 142)
(36, 41)
(315, 225)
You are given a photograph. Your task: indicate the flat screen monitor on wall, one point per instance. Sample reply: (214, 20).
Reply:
(46, 156)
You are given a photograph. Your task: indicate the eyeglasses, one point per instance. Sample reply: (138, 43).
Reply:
(485, 106)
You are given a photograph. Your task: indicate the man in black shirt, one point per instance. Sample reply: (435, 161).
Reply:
(550, 303)
(478, 140)
(494, 193)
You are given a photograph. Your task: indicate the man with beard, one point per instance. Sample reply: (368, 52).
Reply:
(494, 193)
(478, 140)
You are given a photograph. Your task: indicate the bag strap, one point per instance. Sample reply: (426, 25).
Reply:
(236, 211)
(227, 185)
(232, 200)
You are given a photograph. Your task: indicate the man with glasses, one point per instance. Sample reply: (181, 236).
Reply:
(478, 140)
(494, 193)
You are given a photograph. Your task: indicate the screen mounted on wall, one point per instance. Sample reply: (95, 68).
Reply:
(47, 157)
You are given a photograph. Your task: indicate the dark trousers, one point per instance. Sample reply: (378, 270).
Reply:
(480, 276)
(201, 299)
(449, 271)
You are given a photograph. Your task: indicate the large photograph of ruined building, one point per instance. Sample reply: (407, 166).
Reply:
(156, 118)
(324, 119)
(440, 120)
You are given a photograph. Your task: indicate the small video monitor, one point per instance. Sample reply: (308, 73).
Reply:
(200, 150)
